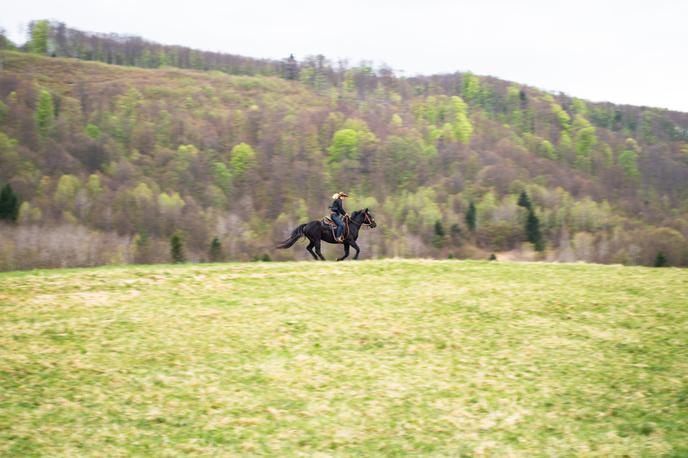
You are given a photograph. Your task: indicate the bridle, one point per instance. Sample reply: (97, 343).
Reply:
(366, 220)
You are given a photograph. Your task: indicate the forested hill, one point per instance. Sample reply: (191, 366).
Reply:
(108, 162)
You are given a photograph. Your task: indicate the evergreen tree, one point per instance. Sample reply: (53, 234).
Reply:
(177, 247)
(660, 260)
(470, 217)
(438, 237)
(9, 204)
(533, 231)
(215, 253)
(291, 68)
(524, 201)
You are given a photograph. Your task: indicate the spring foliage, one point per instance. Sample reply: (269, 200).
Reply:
(234, 150)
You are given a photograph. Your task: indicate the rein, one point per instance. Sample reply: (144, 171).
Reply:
(366, 221)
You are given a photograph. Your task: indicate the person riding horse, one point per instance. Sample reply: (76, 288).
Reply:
(338, 213)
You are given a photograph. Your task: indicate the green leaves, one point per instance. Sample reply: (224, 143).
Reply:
(45, 112)
(628, 161)
(344, 145)
(38, 42)
(242, 158)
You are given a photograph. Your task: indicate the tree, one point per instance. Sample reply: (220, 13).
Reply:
(45, 112)
(177, 247)
(9, 204)
(660, 260)
(38, 42)
(628, 161)
(242, 158)
(344, 145)
(524, 201)
(470, 217)
(5, 43)
(438, 237)
(291, 68)
(463, 129)
(533, 234)
(215, 252)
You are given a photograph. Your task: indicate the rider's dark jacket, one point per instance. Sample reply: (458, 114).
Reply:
(337, 207)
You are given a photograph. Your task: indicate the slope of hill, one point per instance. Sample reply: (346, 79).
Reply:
(109, 161)
(496, 359)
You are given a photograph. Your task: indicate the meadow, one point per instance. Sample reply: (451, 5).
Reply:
(370, 358)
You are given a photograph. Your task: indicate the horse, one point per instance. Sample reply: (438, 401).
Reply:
(317, 231)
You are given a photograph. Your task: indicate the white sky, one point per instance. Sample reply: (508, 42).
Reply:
(623, 51)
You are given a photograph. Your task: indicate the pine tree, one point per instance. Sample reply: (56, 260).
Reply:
(291, 68)
(533, 231)
(215, 252)
(470, 217)
(438, 237)
(660, 260)
(9, 204)
(524, 201)
(177, 247)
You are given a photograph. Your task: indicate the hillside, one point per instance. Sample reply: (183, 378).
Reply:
(495, 359)
(109, 161)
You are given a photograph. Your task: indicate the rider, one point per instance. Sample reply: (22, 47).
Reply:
(337, 213)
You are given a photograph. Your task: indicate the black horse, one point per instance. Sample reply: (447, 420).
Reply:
(317, 231)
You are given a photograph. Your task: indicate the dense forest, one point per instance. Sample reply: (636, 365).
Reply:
(109, 161)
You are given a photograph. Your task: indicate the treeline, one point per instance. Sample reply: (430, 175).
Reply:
(57, 40)
(128, 158)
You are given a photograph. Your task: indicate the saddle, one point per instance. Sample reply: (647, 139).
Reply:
(328, 223)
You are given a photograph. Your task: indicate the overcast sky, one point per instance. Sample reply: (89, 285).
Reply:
(623, 51)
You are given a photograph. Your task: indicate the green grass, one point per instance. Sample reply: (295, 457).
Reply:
(374, 358)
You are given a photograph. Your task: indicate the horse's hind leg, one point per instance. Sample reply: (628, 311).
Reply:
(317, 250)
(310, 249)
(346, 252)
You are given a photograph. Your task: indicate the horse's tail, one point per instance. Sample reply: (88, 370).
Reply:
(295, 235)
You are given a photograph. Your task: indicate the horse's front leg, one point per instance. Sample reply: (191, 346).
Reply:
(346, 252)
(355, 245)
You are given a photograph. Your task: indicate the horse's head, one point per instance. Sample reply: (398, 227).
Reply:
(368, 218)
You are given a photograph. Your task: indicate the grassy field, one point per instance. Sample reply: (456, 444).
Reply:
(373, 358)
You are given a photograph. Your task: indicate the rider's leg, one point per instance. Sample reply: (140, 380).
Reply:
(340, 225)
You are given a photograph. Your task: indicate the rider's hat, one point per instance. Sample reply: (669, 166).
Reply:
(337, 195)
